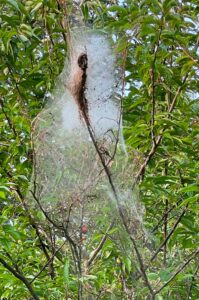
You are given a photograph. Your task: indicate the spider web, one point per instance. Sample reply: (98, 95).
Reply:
(69, 181)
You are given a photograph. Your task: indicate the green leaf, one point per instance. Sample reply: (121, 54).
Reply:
(127, 264)
(18, 6)
(190, 200)
(153, 276)
(37, 7)
(88, 277)
(23, 38)
(2, 195)
(165, 275)
(14, 4)
(66, 272)
(190, 188)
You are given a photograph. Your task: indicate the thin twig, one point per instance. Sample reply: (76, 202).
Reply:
(31, 219)
(186, 51)
(112, 186)
(164, 242)
(165, 226)
(45, 213)
(20, 276)
(56, 225)
(108, 174)
(159, 138)
(147, 159)
(165, 230)
(17, 86)
(191, 283)
(99, 247)
(180, 269)
(163, 217)
(169, 235)
(128, 292)
(64, 21)
(8, 119)
(46, 264)
(152, 75)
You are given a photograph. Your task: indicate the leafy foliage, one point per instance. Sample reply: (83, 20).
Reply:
(158, 46)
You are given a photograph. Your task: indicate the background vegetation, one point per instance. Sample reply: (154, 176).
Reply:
(158, 42)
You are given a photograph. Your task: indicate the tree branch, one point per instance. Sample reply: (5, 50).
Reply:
(20, 276)
(180, 269)
(152, 75)
(31, 219)
(8, 119)
(191, 283)
(108, 174)
(164, 242)
(47, 263)
(169, 235)
(99, 247)
(159, 138)
(162, 220)
(114, 191)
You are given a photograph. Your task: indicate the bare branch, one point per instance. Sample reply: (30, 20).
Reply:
(72, 243)
(108, 174)
(45, 213)
(7, 118)
(191, 283)
(153, 84)
(186, 52)
(20, 276)
(158, 140)
(173, 103)
(99, 247)
(165, 240)
(112, 186)
(31, 218)
(165, 230)
(163, 217)
(169, 235)
(180, 269)
(47, 263)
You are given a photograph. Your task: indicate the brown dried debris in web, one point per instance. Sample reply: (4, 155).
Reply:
(79, 86)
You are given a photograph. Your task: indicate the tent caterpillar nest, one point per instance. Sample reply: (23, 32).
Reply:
(67, 173)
